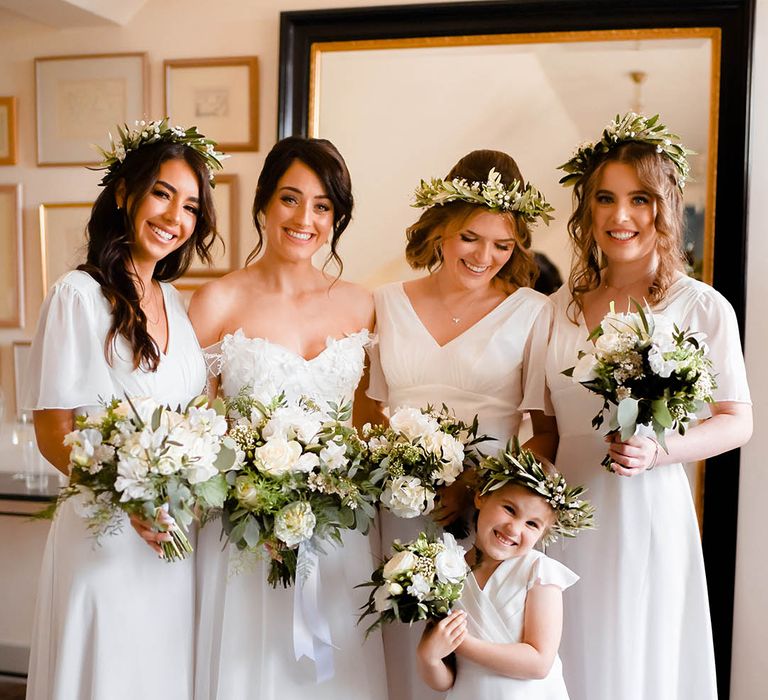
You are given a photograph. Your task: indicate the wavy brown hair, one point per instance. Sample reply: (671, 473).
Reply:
(323, 159)
(658, 176)
(423, 250)
(111, 233)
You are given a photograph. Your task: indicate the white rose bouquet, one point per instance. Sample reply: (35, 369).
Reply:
(302, 482)
(420, 581)
(653, 373)
(419, 451)
(141, 458)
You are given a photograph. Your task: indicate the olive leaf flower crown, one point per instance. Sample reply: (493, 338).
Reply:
(631, 127)
(144, 133)
(492, 193)
(516, 465)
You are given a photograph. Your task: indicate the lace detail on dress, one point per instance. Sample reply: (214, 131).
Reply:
(268, 368)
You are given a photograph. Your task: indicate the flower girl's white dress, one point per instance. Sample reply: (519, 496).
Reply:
(245, 627)
(113, 621)
(492, 369)
(637, 626)
(496, 614)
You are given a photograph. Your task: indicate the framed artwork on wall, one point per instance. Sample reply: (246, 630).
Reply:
(8, 131)
(219, 95)
(20, 359)
(62, 238)
(81, 98)
(225, 251)
(11, 258)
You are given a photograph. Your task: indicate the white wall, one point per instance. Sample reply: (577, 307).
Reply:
(197, 28)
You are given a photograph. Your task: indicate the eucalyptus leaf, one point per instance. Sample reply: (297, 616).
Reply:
(626, 416)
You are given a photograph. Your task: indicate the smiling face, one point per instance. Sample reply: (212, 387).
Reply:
(511, 520)
(623, 215)
(474, 253)
(299, 216)
(167, 215)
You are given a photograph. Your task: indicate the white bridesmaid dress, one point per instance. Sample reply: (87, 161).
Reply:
(492, 370)
(637, 626)
(496, 614)
(245, 627)
(113, 621)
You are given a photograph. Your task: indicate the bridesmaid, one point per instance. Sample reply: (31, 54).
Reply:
(467, 335)
(637, 625)
(115, 621)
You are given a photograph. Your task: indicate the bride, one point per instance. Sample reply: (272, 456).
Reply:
(281, 324)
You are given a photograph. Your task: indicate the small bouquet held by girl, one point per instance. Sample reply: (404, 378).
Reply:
(653, 373)
(146, 460)
(419, 451)
(420, 581)
(302, 482)
(501, 643)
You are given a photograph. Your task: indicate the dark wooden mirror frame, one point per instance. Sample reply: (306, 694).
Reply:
(734, 18)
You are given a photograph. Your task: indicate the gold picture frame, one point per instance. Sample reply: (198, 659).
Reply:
(219, 95)
(82, 98)
(8, 141)
(11, 258)
(62, 238)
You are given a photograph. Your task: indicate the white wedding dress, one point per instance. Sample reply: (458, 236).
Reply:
(637, 625)
(245, 627)
(492, 370)
(113, 621)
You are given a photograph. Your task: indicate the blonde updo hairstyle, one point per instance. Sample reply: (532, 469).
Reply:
(659, 177)
(424, 249)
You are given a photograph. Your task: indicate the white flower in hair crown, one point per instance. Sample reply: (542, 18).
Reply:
(492, 193)
(145, 133)
(516, 465)
(635, 128)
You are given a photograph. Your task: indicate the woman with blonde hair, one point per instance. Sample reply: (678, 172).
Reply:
(468, 334)
(638, 624)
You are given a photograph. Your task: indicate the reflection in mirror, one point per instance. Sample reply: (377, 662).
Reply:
(419, 104)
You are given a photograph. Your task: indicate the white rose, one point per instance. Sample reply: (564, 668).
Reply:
(407, 497)
(412, 423)
(420, 587)
(381, 600)
(278, 456)
(450, 565)
(246, 492)
(584, 371)
(295, 523)
(334, 456)
(307, 462)
(292, 422)
(400, 563)
(660, 366)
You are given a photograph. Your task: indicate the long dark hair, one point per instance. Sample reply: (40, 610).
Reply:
(423, 250)
(322, 158)
(111, 233)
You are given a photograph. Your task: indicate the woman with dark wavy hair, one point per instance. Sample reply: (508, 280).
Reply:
(637, 624)
(468, 334)
(282, 325)
(115, 621)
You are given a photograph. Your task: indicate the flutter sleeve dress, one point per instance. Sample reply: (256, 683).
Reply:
(637, 626)
(112, 620)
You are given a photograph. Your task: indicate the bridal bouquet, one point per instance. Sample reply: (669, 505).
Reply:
(144, 459)
(302, 481)
(655, 374)
(420, 450)
(420, 581)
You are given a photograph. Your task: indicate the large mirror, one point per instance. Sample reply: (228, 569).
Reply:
(405, 91)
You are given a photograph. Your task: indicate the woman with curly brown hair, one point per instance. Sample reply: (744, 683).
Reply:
(638, 623)
(469, 334)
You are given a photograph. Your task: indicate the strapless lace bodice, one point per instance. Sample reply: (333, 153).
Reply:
(268, 368)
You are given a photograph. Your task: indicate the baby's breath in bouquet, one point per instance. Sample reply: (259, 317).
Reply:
(653, 373)
(144, 459)
(302, 483)
(419, 451)
(420, 581)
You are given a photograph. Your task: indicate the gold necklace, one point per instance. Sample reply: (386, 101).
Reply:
(158, 307)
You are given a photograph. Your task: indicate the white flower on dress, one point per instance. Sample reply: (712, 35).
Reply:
(295, 523)
(407, 497)
(450, 565)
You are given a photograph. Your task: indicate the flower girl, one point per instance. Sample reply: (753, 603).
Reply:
(503, 642)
